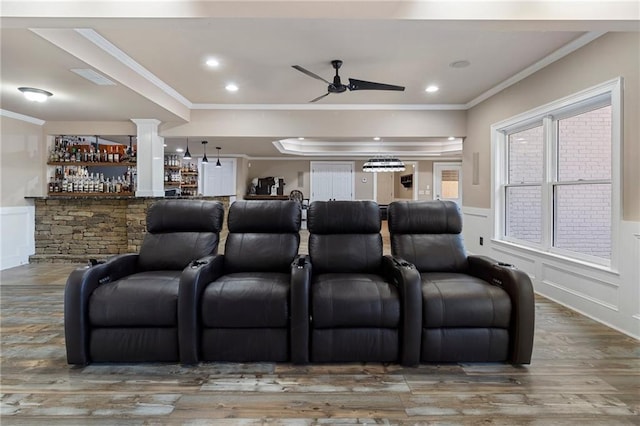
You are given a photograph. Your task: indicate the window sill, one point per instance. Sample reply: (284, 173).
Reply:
(555, 257)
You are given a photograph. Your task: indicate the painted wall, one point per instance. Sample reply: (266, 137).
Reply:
(608, 57)
(22, 162)
(287, 169)
(609, 296)
(291, 170)
(21, 174)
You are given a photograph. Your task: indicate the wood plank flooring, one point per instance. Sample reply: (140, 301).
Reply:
(582, 373)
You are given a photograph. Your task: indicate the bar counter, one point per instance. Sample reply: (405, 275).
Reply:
(75, 228)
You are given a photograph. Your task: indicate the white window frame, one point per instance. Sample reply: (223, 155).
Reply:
(588, 99)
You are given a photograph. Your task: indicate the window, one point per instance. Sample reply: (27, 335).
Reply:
(556, 189)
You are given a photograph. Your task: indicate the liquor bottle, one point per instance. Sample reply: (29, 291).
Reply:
(110, 155)
(116, 155)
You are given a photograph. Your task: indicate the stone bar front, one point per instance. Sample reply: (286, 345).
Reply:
(76, 229)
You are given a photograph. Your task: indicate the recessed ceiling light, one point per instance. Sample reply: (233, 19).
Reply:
(213, 63)
(165, 145)
(179, 150)
(231, 87)
(376, 138)
(460, 64)
(431, 89)
(451, 138)
(36, 95)
(300, 139)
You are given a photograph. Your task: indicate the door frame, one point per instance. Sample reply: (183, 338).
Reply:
(446, 164)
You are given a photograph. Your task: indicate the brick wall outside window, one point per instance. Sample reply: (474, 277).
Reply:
(582, 220)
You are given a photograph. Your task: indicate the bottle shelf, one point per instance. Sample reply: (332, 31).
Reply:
(90, 194)
(186, 185)
(90, 164)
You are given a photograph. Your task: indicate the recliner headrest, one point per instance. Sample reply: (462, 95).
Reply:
(424, 217)
(185, 216)
(344, 217)
(264, 217)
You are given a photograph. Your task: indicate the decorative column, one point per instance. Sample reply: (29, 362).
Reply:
(150, 166)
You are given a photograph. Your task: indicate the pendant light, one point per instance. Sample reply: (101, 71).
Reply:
(218, 165)
(205, 160)
(187, 154)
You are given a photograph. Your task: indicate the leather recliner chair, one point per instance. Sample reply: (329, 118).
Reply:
(474, 309)
(250, 304)
(360, 299)
(126, 309)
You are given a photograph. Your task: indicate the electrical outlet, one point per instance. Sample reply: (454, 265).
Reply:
(481, 241)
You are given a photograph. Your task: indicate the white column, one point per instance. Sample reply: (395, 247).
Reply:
(150, 166)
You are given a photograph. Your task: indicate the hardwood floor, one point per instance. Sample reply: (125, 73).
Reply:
(582, 373)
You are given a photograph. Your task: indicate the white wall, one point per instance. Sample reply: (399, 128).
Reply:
(22, 164)
(608, 297)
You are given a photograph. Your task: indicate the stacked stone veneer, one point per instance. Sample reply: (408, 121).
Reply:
(78, 229)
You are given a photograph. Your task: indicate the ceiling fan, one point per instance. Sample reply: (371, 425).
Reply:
(337, 87)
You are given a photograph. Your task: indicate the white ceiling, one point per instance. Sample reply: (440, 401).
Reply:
(155, 53)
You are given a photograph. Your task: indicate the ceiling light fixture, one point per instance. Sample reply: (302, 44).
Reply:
(218, 165)
(451, 138)
(205, 159)
(377, 138)
(431, 89)
(213, 63)
(187, 154)
(231, 87)
(383, 164)
(300, 139)
(179, 150)
(36, 95)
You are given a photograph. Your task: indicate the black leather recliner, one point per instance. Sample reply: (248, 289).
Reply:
(474, 309)
(360, 300)
(250, 304)
(126, 309)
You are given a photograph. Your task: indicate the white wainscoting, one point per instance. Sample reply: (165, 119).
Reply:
(612, 298)
(17, 228)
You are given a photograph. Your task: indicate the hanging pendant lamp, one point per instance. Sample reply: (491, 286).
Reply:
(205, 159)
(187, 154)
(218, 165)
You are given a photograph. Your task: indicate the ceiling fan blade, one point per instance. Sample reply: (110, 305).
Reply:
(319, 97)
(309, 73)
(369, 85)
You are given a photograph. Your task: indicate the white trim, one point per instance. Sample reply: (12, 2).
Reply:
(22, 117)
(542, 63)
(498, 177)
(334, 107)
(128, 61)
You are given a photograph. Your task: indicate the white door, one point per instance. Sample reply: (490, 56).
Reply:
(332, 181)
(217, 181)
(447, 182)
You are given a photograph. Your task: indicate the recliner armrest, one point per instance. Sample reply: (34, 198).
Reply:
(78, 289)
(300, 290)
(406, 278)
(194, 279)
(518, 286)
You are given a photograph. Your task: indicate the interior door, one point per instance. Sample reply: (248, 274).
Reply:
(331, 181)
(447, 182)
